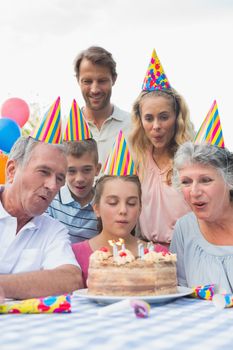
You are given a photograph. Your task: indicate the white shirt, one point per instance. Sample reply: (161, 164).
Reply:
(43, 243)
(106, 136)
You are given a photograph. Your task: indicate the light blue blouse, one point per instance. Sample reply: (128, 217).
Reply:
(198, 261)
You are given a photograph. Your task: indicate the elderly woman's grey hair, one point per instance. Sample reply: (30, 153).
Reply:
(22, 149)
(205, 154)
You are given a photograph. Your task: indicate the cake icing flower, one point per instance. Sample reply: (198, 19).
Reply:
(123, 257)
(155, 257)
(101, 254)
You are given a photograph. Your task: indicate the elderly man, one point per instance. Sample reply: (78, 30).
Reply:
(36, 259)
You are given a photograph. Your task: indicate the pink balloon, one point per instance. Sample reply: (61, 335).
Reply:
(17, 109)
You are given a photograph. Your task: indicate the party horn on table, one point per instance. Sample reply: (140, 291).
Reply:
(203, 292)
(140, 307)
(51, 304)
(221, 301)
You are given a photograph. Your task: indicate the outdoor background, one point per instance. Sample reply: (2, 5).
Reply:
(40, 38)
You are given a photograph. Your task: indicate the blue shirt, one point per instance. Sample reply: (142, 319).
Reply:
(198, 261)
(80, 221)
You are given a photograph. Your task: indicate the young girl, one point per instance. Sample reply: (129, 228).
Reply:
(160, 124)
(117, 204)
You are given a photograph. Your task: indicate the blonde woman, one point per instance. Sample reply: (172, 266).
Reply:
(160, 124)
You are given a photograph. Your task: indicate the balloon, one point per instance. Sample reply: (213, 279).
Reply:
(3, 160)
(17, 109)
(9, 133)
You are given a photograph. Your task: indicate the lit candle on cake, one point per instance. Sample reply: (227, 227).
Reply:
(122, 243)
(140, 249)
(112, 243)
(150, 247)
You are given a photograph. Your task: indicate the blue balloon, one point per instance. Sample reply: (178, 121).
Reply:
(9, 133)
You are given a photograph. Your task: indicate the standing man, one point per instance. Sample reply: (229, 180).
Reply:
(36, 258)
(96, 74)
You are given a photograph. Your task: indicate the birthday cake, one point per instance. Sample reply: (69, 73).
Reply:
(123, 274)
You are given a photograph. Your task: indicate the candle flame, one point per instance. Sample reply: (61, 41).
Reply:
(120, 241)
(111, 242)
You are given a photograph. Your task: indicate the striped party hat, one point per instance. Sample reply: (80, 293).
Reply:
(77, 128)
(49, 130)
(211, 130)
(155, 78)
(119, 161)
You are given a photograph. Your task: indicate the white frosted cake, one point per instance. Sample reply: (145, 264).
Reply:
(152, 274)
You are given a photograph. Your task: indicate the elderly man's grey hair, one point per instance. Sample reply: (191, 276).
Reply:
(205, 154)
(23, 147)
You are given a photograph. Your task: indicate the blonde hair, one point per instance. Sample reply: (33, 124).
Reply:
(184, 130)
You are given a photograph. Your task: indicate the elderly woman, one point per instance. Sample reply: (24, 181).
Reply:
(203, 239)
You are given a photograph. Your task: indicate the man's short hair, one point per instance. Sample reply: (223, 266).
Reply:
(78, 148)
(97, 55)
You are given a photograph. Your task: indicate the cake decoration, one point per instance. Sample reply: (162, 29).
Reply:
(119, 161)
(49, 130)
(112, 243)
(155, 78)
(100, 255)
(77, 128)
(150, 246)
(141, 250)
(211, 130)
(155, 257)
(123, 257)
(121, 242)
(122, 253)
(104, 249)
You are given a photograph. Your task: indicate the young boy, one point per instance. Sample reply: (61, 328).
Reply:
(73, 204)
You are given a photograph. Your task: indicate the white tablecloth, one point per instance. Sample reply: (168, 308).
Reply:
(184, 323)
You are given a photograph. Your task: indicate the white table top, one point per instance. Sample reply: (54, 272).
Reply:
(184, 323)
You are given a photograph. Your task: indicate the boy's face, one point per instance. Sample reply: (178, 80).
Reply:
(80, 177)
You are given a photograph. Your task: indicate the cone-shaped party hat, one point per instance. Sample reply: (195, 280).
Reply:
(155, 78)
(49, 130)
(77, 128)
(211, 130)
(119, 161)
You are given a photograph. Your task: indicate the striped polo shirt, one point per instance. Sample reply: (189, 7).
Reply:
(80, 221)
